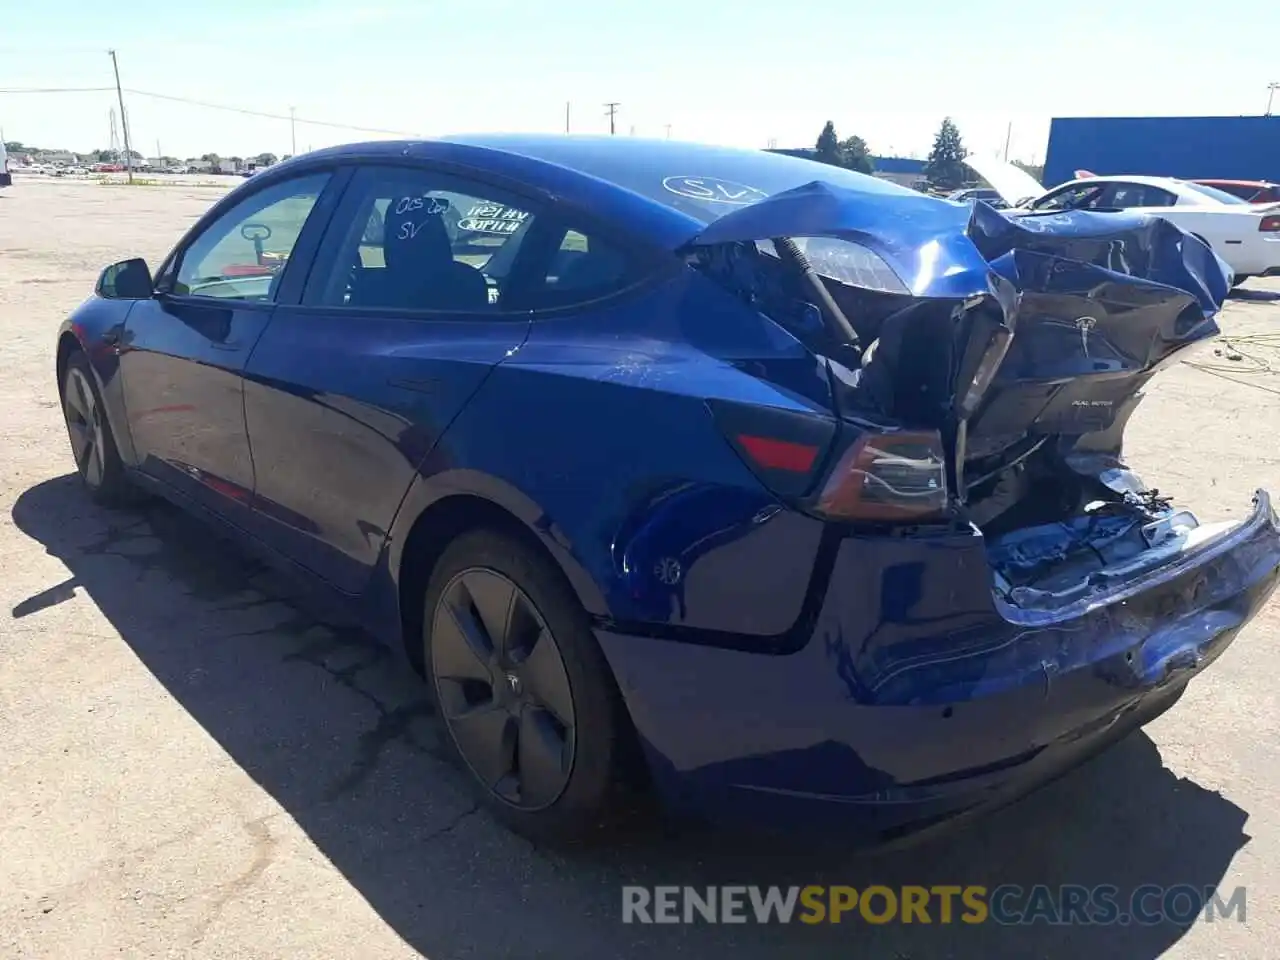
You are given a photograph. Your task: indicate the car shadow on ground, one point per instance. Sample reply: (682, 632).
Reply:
(340, 735)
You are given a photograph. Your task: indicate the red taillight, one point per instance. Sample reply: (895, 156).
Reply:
(882, 476)
(772, 454)
(888, 476)
(1269, 224)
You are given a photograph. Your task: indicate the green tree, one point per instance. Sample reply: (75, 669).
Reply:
(265, 159)
(945, 167)
(827, 149)
(856, 155)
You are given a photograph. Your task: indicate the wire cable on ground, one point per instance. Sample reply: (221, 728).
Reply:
(1241, 362)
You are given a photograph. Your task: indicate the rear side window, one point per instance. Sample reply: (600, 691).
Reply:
(410, 239)
(415, 239)
(583, 267)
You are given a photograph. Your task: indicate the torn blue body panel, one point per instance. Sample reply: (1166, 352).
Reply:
(917, 699)
(949, 669)
(1061, 318)
(942, 249)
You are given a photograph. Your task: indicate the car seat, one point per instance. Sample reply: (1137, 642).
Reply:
(419, 271)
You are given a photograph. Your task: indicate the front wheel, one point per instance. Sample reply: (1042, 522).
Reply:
(524, 692)
(92, 443)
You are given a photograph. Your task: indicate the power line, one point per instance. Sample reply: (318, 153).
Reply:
(57, 89)
(266, 115)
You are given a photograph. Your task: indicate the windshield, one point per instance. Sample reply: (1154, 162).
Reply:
(1214, 193)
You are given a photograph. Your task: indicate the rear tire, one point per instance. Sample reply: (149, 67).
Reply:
(93, 445)
(529, 705)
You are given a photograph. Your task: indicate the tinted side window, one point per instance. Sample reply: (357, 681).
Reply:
(414, 240)
(1242, 190)
(241, 254)
(1078, 197)
(1125, 196)
(584, 267)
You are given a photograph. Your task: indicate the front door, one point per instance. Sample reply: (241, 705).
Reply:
(401, 322)
(183, 352)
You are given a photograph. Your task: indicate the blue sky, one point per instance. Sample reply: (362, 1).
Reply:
(738, 73)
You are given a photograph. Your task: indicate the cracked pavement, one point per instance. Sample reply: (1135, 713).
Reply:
(193, 765)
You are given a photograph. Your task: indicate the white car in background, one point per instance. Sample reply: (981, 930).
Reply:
(1246, 236)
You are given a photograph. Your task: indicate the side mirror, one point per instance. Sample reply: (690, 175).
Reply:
(126, 280)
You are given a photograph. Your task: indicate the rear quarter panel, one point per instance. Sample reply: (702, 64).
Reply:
(596, 433)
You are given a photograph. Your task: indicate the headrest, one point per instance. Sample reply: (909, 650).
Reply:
(414, 234)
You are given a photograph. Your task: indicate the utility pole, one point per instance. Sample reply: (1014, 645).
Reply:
(611, 111)
(1271, 92)
(566, 116)
(293, 133)
(668, 126)
(1008, 135)
(124, 120)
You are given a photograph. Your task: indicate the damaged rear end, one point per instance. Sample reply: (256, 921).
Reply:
(993, 539)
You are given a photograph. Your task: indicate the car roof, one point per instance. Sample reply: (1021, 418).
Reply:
(1238, 183)
(1134, 178)
(623, 180)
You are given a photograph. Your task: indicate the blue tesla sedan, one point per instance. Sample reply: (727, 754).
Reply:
(796, 492)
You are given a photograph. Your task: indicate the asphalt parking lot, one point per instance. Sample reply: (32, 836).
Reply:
(193, 766)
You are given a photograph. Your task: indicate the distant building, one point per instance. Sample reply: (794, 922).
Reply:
(1191, 148)
(904, 171)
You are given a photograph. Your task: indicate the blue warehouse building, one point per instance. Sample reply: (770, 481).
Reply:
(1229, 148)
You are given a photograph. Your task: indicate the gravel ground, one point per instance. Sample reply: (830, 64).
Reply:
(194, 767)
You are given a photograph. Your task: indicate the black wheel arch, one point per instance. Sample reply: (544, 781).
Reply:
(415, 552)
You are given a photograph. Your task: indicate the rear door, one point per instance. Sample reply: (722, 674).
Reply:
(400, 324)
(183, 351)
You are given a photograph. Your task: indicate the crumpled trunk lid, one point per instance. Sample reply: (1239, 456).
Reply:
(1002, 332)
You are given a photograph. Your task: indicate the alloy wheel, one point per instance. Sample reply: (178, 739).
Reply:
(84, 425)
(503, 689)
